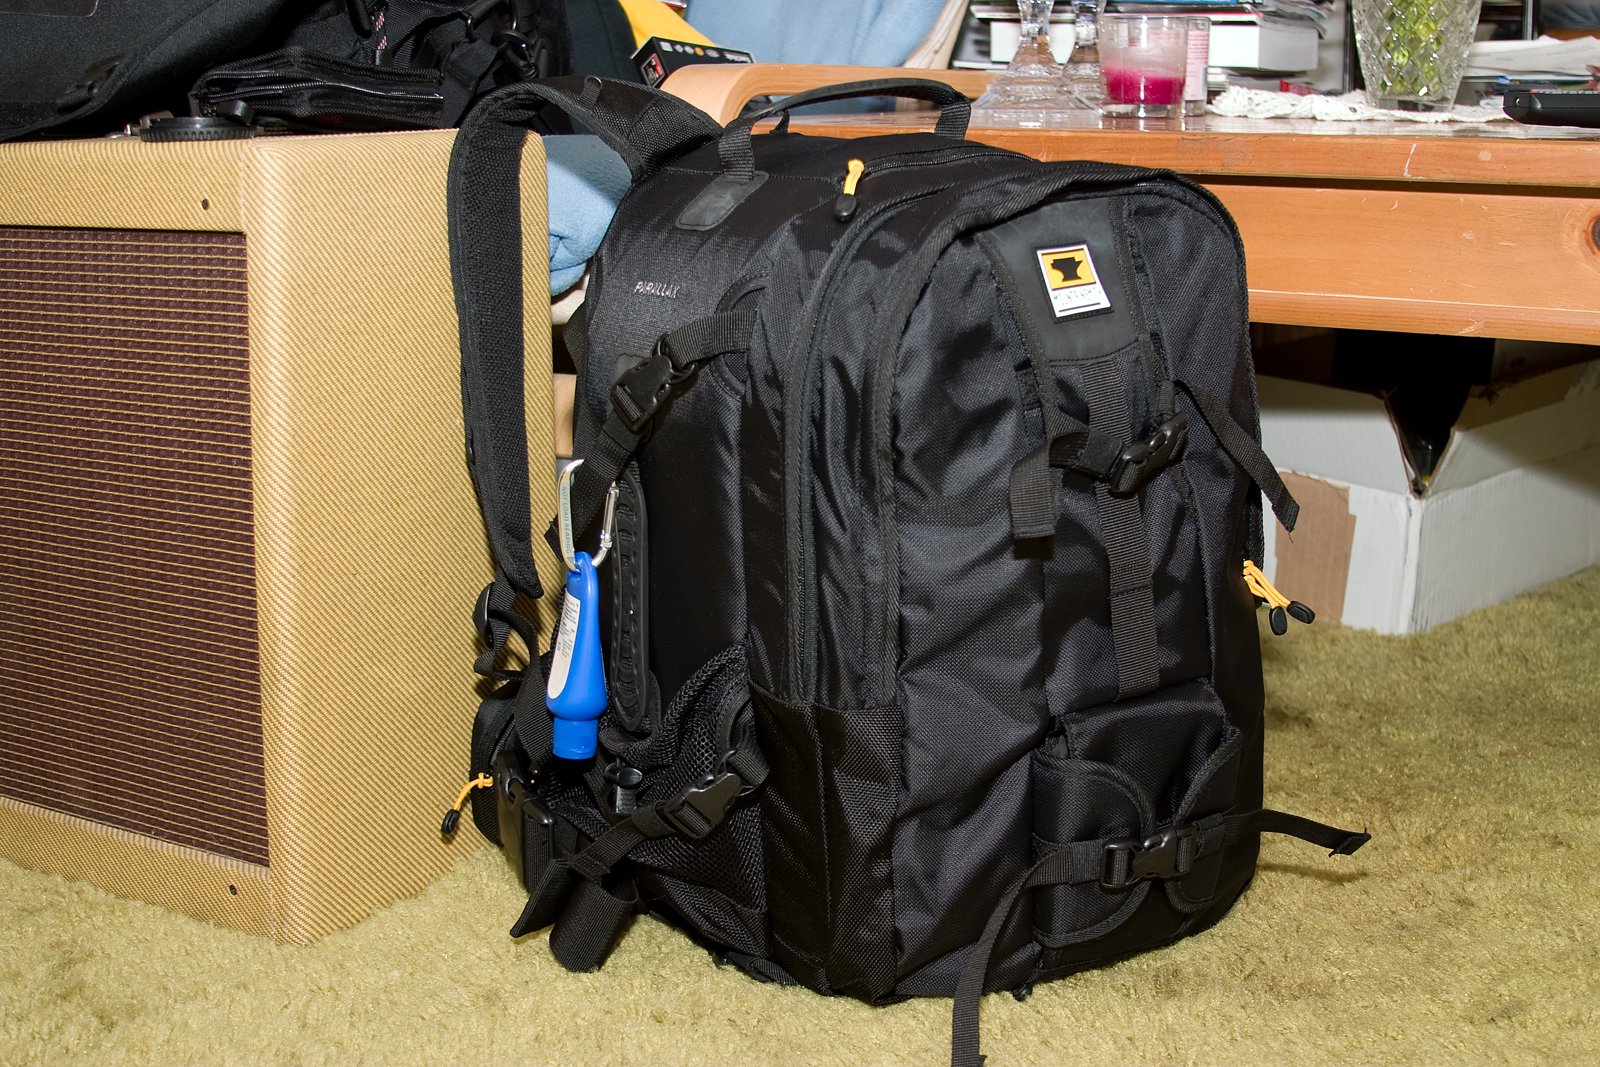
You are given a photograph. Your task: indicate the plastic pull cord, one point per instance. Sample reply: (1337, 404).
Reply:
(1279, 604)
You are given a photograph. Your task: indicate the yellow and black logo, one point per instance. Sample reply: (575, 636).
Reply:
(1067, 267)
(1071, 280)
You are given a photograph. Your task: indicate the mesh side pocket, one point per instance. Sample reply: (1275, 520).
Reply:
(714, 885)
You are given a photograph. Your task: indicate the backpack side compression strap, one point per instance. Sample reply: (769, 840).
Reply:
(647, 128)
(1114, 865)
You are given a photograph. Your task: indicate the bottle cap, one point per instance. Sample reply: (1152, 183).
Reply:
(575, 739)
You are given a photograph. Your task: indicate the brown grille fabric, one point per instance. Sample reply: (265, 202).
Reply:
(129, 684)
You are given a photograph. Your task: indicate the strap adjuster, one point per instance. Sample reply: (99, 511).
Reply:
(702, 807)
(1143, 460)
(1164, 854)
(639, 390)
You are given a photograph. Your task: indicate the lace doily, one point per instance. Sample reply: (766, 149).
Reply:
(1238, 102)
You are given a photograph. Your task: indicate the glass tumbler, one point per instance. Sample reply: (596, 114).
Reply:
(1144, 59)
(1414, 51)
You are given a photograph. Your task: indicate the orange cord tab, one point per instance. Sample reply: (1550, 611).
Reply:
(1282, 608)
(853, 171)
(483, 781)
(453, 816)
(1261, 587)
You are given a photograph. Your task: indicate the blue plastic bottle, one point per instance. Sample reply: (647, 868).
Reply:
(576, 692)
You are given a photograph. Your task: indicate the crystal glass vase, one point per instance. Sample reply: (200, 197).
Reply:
(1034, 81)
(1083, 69)
(1413, 52)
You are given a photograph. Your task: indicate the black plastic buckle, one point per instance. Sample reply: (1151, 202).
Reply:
(640, 389)
(1143, 460)
(1161, 855)
(712, 798)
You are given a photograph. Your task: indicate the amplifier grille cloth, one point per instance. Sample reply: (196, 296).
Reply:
(129, 684)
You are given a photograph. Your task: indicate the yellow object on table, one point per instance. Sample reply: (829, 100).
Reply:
(652, 18)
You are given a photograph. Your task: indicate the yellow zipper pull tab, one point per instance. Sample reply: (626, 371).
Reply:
(453, 816)
(844, 208)
(1279, 603)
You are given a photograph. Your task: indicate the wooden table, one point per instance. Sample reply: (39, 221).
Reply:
(1486, 229)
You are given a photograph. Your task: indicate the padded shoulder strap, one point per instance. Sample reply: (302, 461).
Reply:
(648, 129)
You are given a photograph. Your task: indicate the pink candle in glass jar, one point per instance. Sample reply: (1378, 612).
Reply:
(1143, 86)
(1144, 59)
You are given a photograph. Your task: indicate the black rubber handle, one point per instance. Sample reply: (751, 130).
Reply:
(955, 111)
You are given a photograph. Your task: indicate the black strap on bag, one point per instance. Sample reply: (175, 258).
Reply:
(647, 128)
(1118, 865)
(636, 399)
(1242, 448)
(738, 155)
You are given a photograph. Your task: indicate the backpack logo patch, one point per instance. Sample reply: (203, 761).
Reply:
(1071, 280)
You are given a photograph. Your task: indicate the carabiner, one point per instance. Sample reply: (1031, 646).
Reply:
(569, 552)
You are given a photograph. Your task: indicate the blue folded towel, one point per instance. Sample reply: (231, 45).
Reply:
(865, 33)
(585, 181)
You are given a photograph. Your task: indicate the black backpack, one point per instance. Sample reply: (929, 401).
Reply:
(932, 649)
(389, 64)
(78, 68)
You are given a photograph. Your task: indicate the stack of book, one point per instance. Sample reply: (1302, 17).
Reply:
(1249, 38)
(1253, 36)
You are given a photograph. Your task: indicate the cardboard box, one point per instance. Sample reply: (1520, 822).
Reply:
(1514, 502)
(658, 57)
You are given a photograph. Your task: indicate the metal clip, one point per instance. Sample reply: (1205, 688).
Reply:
(569, 552)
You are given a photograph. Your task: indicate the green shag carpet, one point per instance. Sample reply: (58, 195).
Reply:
(1467, 932)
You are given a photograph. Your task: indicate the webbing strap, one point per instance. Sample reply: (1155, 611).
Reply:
(1084, 861)
(1266, 821)
(535, 727)
(1133, 617)
(636, 396)
(591, 923)
(1243, 449)
(648, 129)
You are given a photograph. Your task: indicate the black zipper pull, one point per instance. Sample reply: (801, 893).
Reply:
(844, 208)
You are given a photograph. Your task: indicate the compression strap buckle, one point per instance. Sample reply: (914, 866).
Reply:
(1143, 460)
(702, 807)
(640, 390)
(1166, 853)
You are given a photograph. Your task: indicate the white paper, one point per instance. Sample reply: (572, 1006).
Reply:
(1547, 55)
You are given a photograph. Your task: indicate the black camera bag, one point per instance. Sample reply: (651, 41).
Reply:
(933, 663)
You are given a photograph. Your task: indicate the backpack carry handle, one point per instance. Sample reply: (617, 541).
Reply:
(649, 129)
(955, 111)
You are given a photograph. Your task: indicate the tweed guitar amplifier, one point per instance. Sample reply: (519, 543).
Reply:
(238, 542)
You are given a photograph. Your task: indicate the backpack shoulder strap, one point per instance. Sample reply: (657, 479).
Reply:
(649, 129)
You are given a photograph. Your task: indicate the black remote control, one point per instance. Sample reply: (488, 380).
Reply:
(1553, 108)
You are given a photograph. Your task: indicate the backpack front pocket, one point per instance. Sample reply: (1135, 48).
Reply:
(1138, 791)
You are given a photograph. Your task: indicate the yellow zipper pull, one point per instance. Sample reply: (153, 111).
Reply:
(844, 208)
(1265, 590)
(453, 816)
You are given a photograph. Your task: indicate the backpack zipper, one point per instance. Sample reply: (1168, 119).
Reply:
(802, 653)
